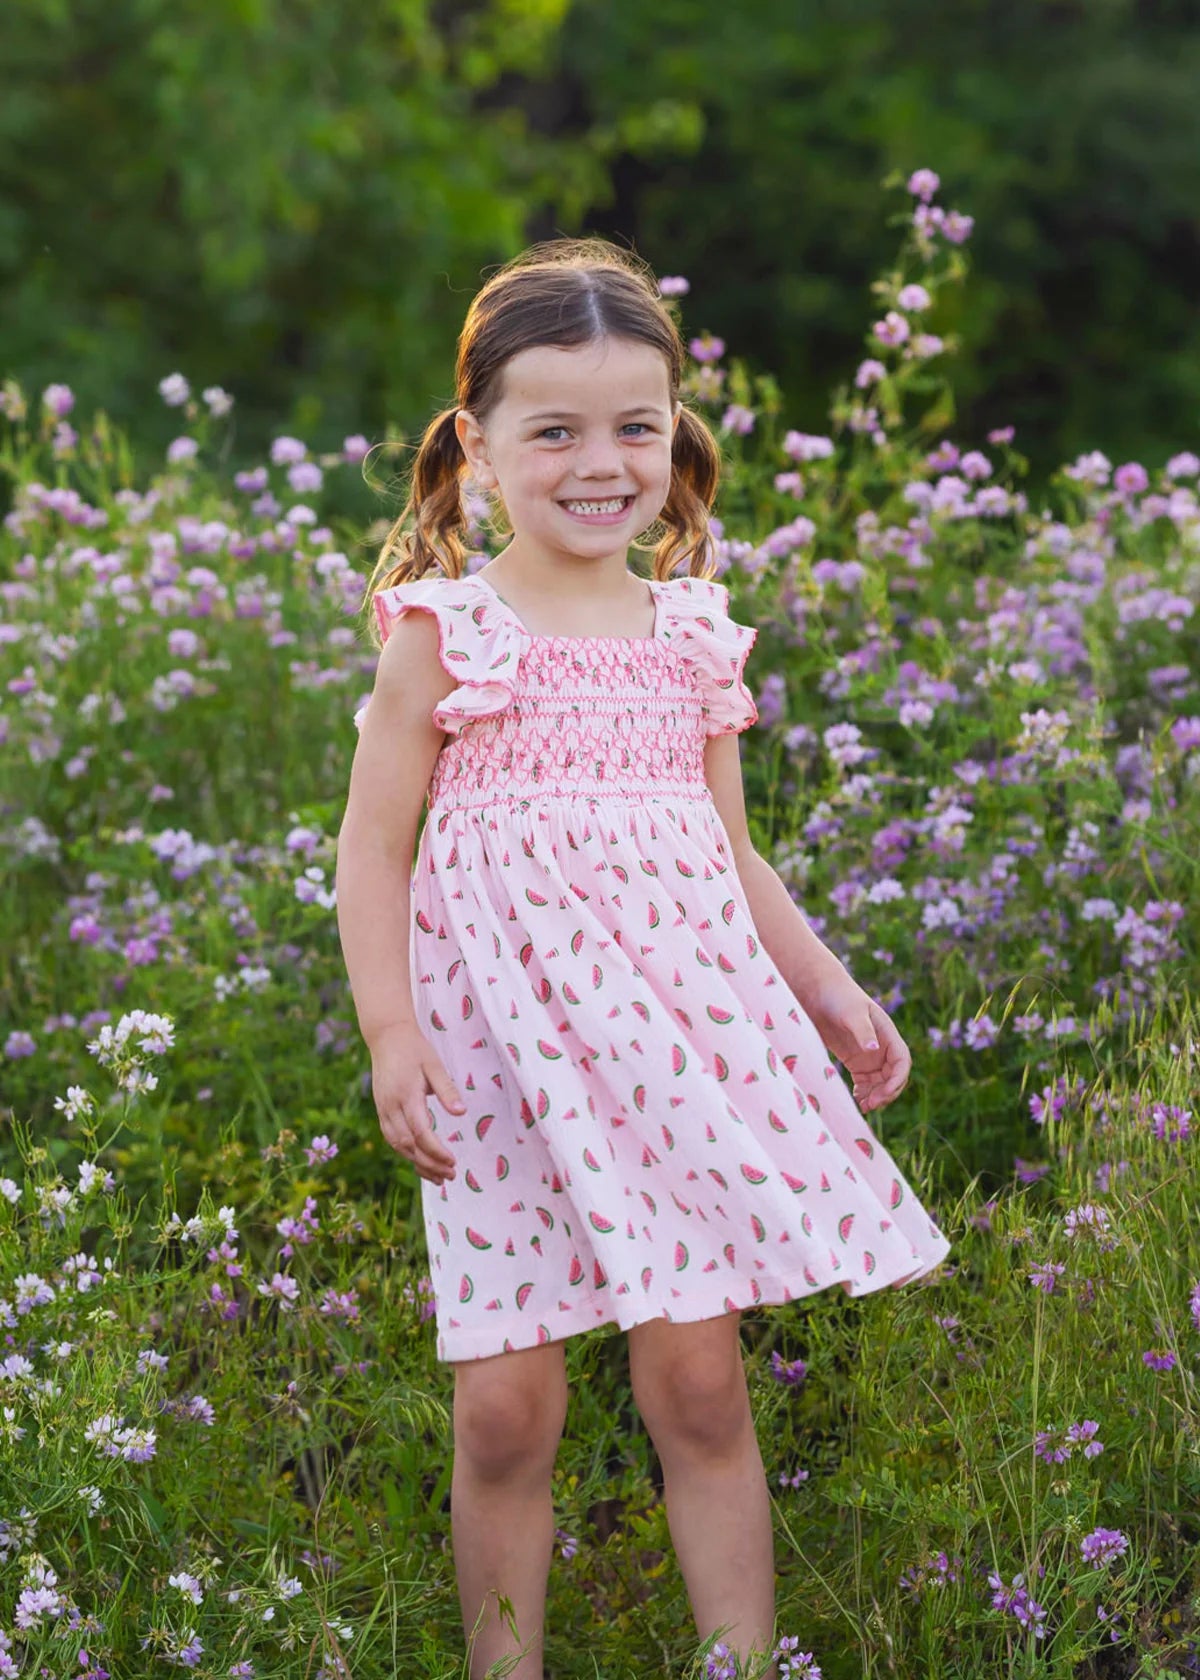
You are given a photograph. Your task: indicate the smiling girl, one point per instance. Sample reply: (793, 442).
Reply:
(599, 1028)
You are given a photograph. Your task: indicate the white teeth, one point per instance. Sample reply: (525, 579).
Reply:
(614, 506)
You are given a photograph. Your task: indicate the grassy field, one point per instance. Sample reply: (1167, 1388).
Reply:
(225, 1436)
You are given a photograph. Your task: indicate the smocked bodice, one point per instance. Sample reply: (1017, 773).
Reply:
(539, 716)
(610, 718)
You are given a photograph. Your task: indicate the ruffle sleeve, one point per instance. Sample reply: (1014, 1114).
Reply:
(477, 645)
(696, 621)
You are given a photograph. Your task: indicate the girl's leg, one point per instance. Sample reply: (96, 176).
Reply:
(508, 1417)
(690, 1386)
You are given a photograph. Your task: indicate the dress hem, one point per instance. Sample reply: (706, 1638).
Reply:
(458, 1346)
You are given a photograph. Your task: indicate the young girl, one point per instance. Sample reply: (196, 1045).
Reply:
(599, 1028)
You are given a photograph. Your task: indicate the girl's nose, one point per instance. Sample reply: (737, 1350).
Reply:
(599, 457)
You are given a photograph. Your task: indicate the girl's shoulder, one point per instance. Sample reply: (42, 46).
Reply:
(446, 598)
(477, 645)
(694, 619)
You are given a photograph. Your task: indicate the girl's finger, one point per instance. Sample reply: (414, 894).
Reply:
(430, 1147)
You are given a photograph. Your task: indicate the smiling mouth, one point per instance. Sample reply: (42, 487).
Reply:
(610, 505)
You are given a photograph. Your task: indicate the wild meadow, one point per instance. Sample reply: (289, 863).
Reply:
(224, 1438)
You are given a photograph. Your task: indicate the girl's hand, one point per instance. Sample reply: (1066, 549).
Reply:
(862, 1037)
(405, 1068)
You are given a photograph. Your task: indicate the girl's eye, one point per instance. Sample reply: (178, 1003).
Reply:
(635, 425)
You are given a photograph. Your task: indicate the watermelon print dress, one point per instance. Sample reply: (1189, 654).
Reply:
(654, 1128)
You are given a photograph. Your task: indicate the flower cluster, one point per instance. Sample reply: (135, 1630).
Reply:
(936, 1570)
(1015, 1601)
(1055, 1446)
(790, 1372)
(1103, 1546)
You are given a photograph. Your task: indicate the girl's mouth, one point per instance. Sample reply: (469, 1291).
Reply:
(608, 510)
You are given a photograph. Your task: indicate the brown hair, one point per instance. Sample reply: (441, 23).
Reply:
(563, 293)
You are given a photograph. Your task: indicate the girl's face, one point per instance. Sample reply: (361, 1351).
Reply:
(578, 446)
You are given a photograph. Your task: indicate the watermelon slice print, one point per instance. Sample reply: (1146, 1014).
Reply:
(472, 1182)
(543, 1335)
(599, 1276)
(466, 1288)
(678, 1059)
(597, 977)
(845, 1225)
(639, 1098)
(728, 911)
(684, 868)
(775, 1122)
(759, 1229)
(577, 942)
(569, 992)
(550, 1051)
(543, 1104)
(546, 1217)
(868, 1261)
(543, 991)
(575, 1270)
(753, 1175)
(590, 1162)
(501, 1168)
(866, 1146)
(476, 1240)
(423, 922)
(721, 1017)
(896, 1195)
(681, 1257)
(599, 1222)
(536, 898)
(724, 963)
(796, 1184)
(647, 1277)
(718, 1178)
(721, 1068)
(483, 1126)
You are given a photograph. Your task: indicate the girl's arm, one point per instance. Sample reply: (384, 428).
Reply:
(852, 1025)
(805, 963)
(389, 779)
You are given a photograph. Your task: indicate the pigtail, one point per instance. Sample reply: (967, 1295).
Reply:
(427, 536)
(695, 473)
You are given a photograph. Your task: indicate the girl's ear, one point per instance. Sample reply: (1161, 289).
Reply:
(474, 446)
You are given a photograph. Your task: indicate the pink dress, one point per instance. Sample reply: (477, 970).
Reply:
(654, 1128)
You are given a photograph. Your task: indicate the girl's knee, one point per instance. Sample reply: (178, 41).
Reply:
(509, 1411)
(692, 1395)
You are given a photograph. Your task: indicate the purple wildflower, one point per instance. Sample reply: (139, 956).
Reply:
(1159, 1359)
(1028, 1172)
(936, 1570)
(1015, 1601)
(1045, 1275)
(1102, 1545)
(923, 183)
(720, 1663)
(793, 1663)
(791, 1373)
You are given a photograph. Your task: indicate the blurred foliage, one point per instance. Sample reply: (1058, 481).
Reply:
(298, 203)
(1070, 131)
